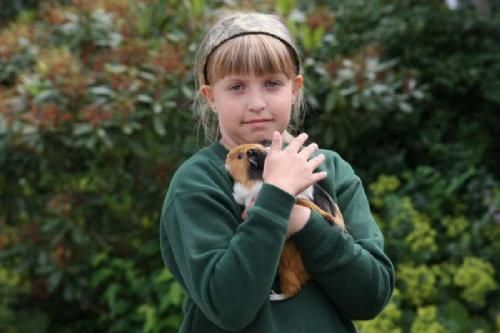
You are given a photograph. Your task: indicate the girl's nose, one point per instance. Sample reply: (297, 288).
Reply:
(256, 102)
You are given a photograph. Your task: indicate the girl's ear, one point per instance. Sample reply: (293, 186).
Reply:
(206, 91)
(298, 82)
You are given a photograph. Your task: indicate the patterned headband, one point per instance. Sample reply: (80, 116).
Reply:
(245, 24)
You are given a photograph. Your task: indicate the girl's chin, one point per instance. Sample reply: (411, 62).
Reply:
(261, 137)
(252, 137)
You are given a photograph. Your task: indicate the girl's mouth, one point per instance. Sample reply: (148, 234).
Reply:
(257, 121)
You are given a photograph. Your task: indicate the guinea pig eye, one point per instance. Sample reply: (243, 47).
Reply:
(239, 156)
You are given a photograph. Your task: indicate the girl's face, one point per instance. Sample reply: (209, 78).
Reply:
(250, 108)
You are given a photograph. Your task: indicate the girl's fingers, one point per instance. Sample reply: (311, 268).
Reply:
(309, 150)
(319, 176)
(252, 202)
(297, 143)
(316, 161)
(276, 142)
(292, 169)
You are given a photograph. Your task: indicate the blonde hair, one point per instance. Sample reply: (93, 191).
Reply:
(247, 53)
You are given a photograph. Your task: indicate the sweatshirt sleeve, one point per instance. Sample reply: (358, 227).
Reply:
(351, 266)
(227, 266)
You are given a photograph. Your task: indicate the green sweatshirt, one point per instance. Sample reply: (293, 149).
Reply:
(227, 266)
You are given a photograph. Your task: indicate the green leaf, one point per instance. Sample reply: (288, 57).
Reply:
(100, 276)
(102, 91)
(159, 126)
(54, 281)
(103, 135)
(175, 294)
(331, 101)
(82, 129)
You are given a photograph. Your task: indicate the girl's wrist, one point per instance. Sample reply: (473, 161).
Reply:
(281, 186)
(299, 217)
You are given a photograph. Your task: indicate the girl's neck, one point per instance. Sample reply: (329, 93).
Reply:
(226, 144)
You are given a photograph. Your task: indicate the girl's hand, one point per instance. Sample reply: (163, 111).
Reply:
(298, 219)
(291, 169)
(244, 214)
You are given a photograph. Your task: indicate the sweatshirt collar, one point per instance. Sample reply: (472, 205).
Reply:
(219, 150)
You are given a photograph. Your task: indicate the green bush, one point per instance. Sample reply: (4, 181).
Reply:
(93, 124)
(95, 100)
(446, 277)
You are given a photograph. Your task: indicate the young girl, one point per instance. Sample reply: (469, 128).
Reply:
(248, 71)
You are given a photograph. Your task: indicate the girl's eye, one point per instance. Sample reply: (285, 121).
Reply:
(273, 84)
(236, 87)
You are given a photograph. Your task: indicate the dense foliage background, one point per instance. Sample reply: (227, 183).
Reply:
(95, 116)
